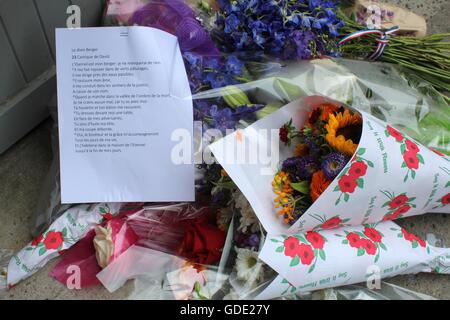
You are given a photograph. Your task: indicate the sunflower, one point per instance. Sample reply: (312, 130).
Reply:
(319, 183)
(344, 131)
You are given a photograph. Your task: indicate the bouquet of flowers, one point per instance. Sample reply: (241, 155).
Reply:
(323, 146)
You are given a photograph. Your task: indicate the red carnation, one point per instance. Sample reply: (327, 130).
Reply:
(347, 184)
(284, 134)
(446, 199)
(412, 162)
(306, 254)
(394, 133)
(358, 169)
(331, 223)
(373, 234)
(291, 245)
(315, 239)
(36, 240)
(53, 240)
(369, 246)
(107, 216)
(389, 217)
(411, 146)
(398, 201)
(354, 240)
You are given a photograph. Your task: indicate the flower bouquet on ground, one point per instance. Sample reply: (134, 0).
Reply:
(336, 167)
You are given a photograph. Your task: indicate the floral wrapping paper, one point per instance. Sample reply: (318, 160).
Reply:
(389, 176)
(60, 236)
(329, 258)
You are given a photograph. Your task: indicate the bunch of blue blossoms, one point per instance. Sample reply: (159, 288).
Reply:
(289, 30)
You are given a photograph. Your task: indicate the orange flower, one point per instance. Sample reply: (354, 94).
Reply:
(301, 150)
(318, 184)
(328, 109)
(321, 112)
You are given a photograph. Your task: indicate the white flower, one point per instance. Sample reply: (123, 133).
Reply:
(248, 267)
(104, 246)
(248, 219)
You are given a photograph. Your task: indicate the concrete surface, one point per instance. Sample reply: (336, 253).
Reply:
(23, 167)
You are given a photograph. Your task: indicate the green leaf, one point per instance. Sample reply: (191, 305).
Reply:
(102, 210)
(428, 250)
(403, 148)
(293, 289)
(360, 251)
(382, 246)
(370, 163)
(360, 183)
(360, 234)
(413, 174)
(64, 232)
(386, 133)
(406, 178)
(284, 281)
(300, 237)
(42, 251)
(302, 187)
(346, 220)
(311, 269)
(419, 156)
(447, 185)
(29, 248)
(345, 241)
(404, 164)
(280, 249)
(376, 258)
(295, 261)
(336, 188)
(322, 255)
(275, 240)
(386, 203)
(411, 199)
(414, 244)
(361, 151)
(337, 201)
(346, 197)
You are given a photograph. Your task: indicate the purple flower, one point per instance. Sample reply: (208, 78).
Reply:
(300, 168)
(223, 119)
(333, 164)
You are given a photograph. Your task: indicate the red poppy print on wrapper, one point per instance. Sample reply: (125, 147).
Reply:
(352, 177)
(303, 249)
(51, 240)
(443, 201)
(397, 205)
(416, 242)
(330, 223)
(368, 241)
(412, 159)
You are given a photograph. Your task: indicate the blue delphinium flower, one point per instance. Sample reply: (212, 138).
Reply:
(231, 23)
(333, 164)
(223, 119)
(274, 27)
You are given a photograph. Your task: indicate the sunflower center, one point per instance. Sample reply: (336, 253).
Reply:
(352, 132)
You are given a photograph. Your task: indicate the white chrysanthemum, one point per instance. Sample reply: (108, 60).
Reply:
(248, 219)
(248, 267)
